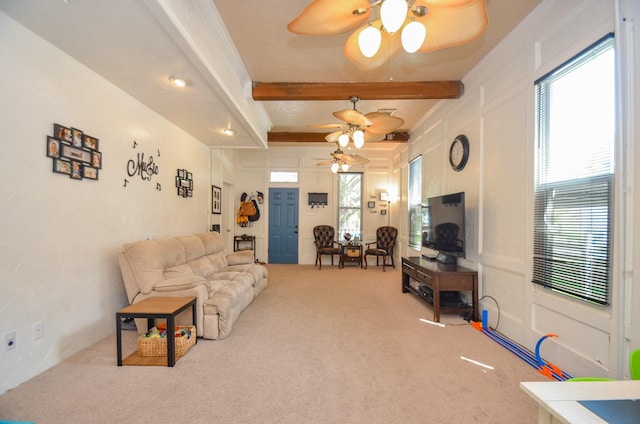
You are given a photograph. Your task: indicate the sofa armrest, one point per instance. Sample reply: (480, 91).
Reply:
(179, 283)
(240, 257)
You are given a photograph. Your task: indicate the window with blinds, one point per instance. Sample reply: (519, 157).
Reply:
(574, 175)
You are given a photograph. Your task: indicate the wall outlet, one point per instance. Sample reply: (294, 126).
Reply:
(10, 341)
(38, 330)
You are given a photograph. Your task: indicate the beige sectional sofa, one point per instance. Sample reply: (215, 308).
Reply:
(224, 283)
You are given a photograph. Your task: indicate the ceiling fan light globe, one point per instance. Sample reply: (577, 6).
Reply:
(343, 140)
(413, 36)
(393, 13)
(358, 138)
(369, 41)
(334, 167)
(345, 167)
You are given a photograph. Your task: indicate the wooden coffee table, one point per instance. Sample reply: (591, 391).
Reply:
(153, 308)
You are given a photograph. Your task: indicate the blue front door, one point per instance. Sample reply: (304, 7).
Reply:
(283, 225)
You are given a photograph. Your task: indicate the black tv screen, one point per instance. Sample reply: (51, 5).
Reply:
(443, 230)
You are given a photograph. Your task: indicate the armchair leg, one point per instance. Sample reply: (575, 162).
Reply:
(365, 261)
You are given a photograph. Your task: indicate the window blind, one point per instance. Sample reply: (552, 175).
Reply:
(573, 194)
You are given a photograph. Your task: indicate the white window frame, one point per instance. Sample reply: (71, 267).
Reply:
(415, 203)
(351, 205)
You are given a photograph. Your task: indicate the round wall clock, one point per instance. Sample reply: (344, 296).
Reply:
(459, 152)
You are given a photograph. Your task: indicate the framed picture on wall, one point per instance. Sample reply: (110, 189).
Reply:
(61, 132)
(216, 200)
(90, 142)
(371, 205)
(62, 166)
(53, 147)
(76, 137)
(90, 172)
(76, 170)
(96, 160)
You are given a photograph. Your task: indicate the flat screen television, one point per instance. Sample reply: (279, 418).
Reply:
(443, 230)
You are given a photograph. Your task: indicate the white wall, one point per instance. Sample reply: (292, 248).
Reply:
(59, 237)
(497, 114)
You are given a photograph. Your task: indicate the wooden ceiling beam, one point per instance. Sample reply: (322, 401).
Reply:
(309, 137)
(391, 90)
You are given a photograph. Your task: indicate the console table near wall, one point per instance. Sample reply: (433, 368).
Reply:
(440, 285)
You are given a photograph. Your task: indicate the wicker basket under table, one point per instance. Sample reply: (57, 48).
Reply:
(158, 346)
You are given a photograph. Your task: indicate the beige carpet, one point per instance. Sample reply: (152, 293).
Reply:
(329, 346)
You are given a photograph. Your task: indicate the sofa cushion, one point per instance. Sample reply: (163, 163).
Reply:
(244, 278)
(201, 267)
(240, 257)
(213, 242)
(257, 271)
(183, 270)
(193, 247)
(180, 283)
(149, 259)
(218, 261)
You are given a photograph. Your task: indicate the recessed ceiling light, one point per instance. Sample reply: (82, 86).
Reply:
(179, 82)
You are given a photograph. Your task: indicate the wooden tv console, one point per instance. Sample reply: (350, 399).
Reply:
(431, 279)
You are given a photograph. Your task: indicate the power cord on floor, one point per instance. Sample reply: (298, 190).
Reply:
(497, 307)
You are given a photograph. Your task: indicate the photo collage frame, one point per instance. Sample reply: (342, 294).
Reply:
(74, 153)
(184, 183)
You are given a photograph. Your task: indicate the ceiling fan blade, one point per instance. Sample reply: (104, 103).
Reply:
(325, 17)
(369, 136)
(452, 23)
(350, 159)
(324, 162)
(352, 116)
(383, 123)
(333, 137)
(327, 126)
(387, 49)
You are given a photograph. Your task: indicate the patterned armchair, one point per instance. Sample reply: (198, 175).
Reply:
(326, 245)
(382, 247)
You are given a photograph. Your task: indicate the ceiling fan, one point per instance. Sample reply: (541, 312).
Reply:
(422, 25)
(373, 126)
(342, 161)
